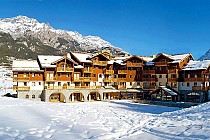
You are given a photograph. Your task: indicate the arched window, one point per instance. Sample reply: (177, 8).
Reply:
(33, 96)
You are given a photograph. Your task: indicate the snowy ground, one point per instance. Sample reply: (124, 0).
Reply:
(23, 119)
(5, 80)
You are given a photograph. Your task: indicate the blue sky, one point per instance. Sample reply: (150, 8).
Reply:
(141, 27)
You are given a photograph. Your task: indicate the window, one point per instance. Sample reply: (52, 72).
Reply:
(100, 75)
(40, 83)
(59, 74)
(94, 75)
(32, 74)
(188, 84)
(130, 83)
(138, 83)
(195, 84)
(68, 83)
(130, 76)
(33, 96)
(33, 83)
(27, 96)
(67, 75)
(160, 76)
(59, 83)
(25, 83)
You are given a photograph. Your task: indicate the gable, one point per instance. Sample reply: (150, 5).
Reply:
(162, 58)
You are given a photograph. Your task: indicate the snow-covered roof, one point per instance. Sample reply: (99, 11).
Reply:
(83, 57)
(25, 65)
(168, 90)
(118, 60)
(46, 60)
(78, 67)
(179, 57)
(146, 58)
(197, 65)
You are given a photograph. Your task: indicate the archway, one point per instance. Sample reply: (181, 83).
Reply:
(76, 96)
(94, 96)
(57, 97)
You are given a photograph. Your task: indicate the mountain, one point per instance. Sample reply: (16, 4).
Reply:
(23, 37)
(206, 56)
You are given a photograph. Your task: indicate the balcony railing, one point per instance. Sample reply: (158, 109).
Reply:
(194, 79)
(109, 72)
(149, 72)
(149, 79)
(199, 88)
(50, 79)
(24, 88)
(173, 71)
(122, 79)
(122, 71)
(21, 78)
(172, 79)
(65, 69)
(102, 63)
(77, 79)
(161, 63)
(88, 70)
(87, 79)
(108, 79)
(130, 64)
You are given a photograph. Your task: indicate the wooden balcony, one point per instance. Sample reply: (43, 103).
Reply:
(108, 79)
(172, 79)
(121, 79)
(21, 78)
(109, 72)
(78, 79)
(151, 87)
(101, 63)
(87, 79)
(122, 71)
(197, 88)
(173, 71)
(149, 79)
(161, 63)
(88, 70)
(23, 88)
(63, 69)
(129, 64)
(148, 71)
(54, 87)
(50, 79)
(194, 79)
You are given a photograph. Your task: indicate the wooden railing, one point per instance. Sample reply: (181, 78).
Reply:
(122, 79)
(148, 71)
(71, 87)
(172, 79)
(21, 78)
(87, 79)
(130, 64)
(88, 70)
(65, 69)
(200, 88)
(161, 63)
(108, 79)
(50, 79)
(194, 79)
(122, 71)
(173, 71)
(103, 63)
(77, 79)
(109, 72)
(149, 79)
(21, 88)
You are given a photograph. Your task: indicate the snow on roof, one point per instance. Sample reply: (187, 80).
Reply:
(25, 65)
(118, 60)
(146, 58)
(82, 57)
(46, 60)
(78, 67)
(178, 57)
(168, 90)
(197, 65)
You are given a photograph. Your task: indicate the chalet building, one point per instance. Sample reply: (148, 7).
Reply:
(100, 76)
(194, 81)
